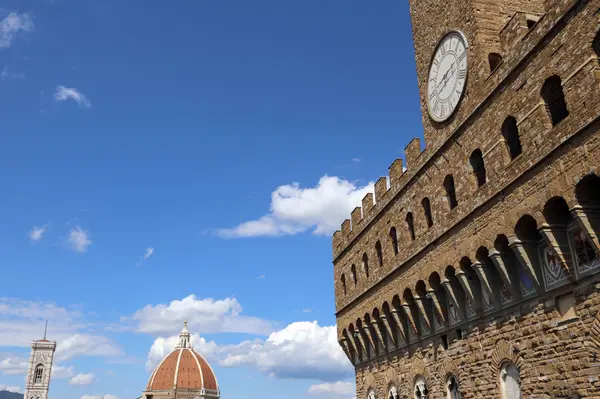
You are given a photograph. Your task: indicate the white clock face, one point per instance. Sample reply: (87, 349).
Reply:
(447, 76)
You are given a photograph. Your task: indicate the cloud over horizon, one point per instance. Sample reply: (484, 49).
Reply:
(301, 350)
(203, 315)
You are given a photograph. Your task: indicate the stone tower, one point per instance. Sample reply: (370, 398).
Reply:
(37, 383)
(473, 270)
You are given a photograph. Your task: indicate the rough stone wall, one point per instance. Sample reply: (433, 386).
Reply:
(570, 56)
(556, 357)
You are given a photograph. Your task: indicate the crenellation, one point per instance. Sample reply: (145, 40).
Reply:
(381, 188)
(396, 170)
(346, 228)
(356, 217)
(367, 203)
(412, 153)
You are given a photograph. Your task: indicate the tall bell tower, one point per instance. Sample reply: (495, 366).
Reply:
(451, 84)
(37, 383)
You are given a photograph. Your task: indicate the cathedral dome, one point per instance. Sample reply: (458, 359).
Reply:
(183, 370)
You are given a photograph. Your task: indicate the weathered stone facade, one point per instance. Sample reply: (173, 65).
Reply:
(508, 272)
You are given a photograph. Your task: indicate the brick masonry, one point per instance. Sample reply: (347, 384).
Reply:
(557, 350)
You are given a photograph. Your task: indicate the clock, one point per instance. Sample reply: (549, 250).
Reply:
(447, 76)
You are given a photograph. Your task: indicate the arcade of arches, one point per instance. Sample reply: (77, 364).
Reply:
(552, 255)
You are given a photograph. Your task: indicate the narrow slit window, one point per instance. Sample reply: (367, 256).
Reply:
(394, 240)
(478, 166)
(379, 253)
(554, 98)
(411, 225)
(510, 132)
(427, 211)
(365, 262)
(450, 191)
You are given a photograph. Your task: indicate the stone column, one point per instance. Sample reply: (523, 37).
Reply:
(485, 277)
(388, 327)
(437, 307)
(587, 225)
(501, 267)
(557, 239)
(451, 293)
(377, 328)
(526, 253)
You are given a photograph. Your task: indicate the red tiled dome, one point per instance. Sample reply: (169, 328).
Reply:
(184, 368)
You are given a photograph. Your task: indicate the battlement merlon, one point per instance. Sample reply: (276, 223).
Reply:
(373, 202)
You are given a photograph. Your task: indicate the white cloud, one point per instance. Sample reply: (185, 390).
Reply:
(37, 232)
(79, 239)
(6, 74)
(147, 254)
(204, 315)
(86, 345)
(12, 25)
(10, 388)
(82, 379)
(60, 372)
(338, 389)
(11, 364)
(302, 350)
(320, 209)
(98, 397)
(163, 346)
(14, 365)
(23, 321)
(355, 159)
(65, 93)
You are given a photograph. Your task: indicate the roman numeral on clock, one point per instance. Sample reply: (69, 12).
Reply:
(462, 73)
(462, 56)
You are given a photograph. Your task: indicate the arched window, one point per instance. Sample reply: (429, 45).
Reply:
(343, 280)
(450, 191)
(38, 374)
(510, 382)
(495, 60)
(365, 262)
(371, 394)
(379, 253)
(393, 393)
(596, 44)
(394, 239)
(354, 278)
(554, 97)
(510, 132)
(427, 211)
(420, 391)
(452, 390)
(411, 225)
(478, 166)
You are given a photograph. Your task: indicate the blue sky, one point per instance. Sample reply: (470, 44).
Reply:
(163, 162)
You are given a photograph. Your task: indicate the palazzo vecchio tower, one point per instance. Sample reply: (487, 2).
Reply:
(473, 271)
